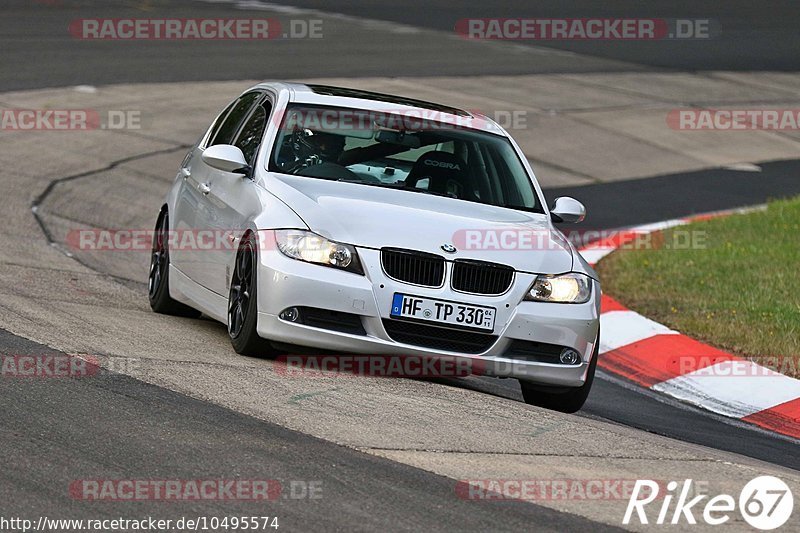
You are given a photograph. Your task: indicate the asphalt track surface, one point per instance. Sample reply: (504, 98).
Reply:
(120, 428)
(641, 201)
(749, 36)
(117, 423)
(40, 52)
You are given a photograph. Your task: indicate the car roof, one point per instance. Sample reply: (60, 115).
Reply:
(329, 95)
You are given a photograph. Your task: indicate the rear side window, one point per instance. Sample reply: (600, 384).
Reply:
(227, 128)
(253, 131)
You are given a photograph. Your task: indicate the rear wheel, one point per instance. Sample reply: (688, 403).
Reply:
(158, 278)
(242, 303)
(566, 401)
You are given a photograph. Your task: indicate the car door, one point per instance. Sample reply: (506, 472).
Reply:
(235, 197)
(187, 202)
(207, 221)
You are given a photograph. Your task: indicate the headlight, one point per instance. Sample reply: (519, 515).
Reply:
(572, 288)
(312, 248)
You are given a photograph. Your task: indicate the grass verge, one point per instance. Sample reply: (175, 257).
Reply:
(732, 282)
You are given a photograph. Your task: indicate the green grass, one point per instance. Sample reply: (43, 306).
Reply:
(737, 288)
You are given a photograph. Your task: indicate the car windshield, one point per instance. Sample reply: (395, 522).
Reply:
(413, 154)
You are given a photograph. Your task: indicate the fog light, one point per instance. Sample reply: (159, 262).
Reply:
(292, 314)
(569, 356)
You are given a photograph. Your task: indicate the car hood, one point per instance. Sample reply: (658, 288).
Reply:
(376, 217)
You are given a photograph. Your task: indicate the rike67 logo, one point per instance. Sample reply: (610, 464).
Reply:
(765, 503)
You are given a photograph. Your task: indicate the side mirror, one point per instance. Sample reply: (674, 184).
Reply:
(226, 158)
(566, 209)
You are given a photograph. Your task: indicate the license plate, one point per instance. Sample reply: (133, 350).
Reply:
(454, 314)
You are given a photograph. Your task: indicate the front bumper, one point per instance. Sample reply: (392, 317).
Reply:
(284, 282)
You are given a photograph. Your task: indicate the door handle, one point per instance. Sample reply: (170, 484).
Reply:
(185, 173)
(204, 188)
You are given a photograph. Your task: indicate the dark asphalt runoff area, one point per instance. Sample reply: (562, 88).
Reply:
(39, 51)
(55, 432)
(617, 400)
(745, 36)
(641, 201)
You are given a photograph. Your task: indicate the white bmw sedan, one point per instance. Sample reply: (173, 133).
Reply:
(365, 223)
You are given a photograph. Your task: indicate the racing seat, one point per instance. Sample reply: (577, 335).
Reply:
(446, 173)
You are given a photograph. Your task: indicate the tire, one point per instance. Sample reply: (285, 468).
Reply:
(158, 276)
(243, 303)
(569, 401)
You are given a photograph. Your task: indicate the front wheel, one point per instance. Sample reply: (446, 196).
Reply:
(569, 401)
(242, 303)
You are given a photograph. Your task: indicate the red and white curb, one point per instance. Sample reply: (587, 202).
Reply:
(658, 358)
